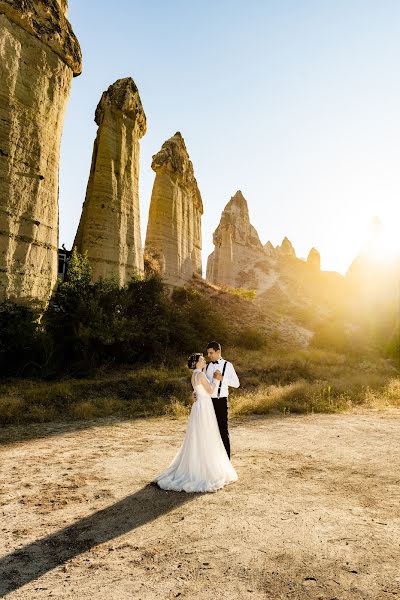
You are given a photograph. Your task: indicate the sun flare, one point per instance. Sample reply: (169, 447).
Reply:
(383, 243)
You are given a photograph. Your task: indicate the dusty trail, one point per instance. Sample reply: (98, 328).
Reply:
(315, 513)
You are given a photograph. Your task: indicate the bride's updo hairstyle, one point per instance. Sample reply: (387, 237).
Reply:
(193, 360)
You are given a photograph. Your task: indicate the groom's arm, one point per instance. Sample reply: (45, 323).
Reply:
(230, 376)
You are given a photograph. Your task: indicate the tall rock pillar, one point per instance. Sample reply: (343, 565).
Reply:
(109, 229)
(39, 55)
(174, 225)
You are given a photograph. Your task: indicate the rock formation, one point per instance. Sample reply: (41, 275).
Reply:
(174, 225)
(286, 248)
(314, 259)
(109, 229)
(39, 54)
(269, 248)
(237, 246)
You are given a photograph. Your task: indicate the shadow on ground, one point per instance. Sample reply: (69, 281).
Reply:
(34, 560)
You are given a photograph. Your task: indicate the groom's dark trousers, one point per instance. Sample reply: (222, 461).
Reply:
(221, 412)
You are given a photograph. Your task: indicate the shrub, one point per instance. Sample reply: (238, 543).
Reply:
(194, 321)
(20, 339)
(251, 339)
(98, 323)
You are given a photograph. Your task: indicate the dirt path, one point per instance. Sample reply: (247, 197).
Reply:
(315, 513)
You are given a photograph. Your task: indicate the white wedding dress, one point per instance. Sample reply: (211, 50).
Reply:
(201, 463)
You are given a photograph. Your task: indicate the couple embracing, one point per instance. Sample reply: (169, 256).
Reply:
(202, 463)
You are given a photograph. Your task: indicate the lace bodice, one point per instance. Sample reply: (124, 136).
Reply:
(198, 386)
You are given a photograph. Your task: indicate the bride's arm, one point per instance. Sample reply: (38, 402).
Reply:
(206, 384)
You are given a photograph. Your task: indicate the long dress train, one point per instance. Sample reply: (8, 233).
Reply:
(201, 463)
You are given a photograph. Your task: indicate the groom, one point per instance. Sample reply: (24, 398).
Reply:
(223, 371)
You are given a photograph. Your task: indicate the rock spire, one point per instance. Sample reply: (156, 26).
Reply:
(314, 259)
(109, 229)
(174, 226)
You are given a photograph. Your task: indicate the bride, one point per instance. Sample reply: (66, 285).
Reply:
(201, 463)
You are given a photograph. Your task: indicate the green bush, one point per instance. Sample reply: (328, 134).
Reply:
(93, 324)
(251, 339)
(194, 321)
(21, 340)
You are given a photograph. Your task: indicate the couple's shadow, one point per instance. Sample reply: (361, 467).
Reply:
(34, 560)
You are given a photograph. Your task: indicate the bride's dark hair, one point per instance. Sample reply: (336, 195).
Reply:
(193, 360)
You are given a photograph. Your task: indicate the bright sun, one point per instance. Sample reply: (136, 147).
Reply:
(383, 244)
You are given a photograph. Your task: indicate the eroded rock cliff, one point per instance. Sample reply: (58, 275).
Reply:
(109, 229)
(237, 247)
(174, 225)
(39, 55)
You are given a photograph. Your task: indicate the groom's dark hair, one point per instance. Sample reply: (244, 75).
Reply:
(214, 345)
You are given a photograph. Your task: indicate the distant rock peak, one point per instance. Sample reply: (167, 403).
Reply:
(286, 248)
(314, 258)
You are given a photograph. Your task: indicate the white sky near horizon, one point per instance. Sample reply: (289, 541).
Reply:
(294, 102)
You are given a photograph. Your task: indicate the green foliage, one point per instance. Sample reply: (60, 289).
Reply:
(242, 292)
(194, 321)
(20, 339)
(93, 324)
(251, 339)
(97, 324)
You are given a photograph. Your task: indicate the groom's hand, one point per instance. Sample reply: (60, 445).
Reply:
(194, 396)
(217, 375)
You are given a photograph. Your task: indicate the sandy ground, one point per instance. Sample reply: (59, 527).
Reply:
(315, 513)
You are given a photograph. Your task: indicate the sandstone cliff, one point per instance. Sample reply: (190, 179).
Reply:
(39, 54)
(237, 247)
(174, 225)
(109, 229)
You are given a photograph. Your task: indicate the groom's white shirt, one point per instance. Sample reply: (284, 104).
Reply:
(230, 377)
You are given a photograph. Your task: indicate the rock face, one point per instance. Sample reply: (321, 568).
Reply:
(174, 225)
(286, 248)
(39, 54)
(314, 259)
(269, 248)
(237, 246)
(109, 229)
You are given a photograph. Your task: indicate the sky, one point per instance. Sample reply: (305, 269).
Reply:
(294, 102)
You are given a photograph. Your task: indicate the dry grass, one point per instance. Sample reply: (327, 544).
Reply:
(176, 409)
(302, 381)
